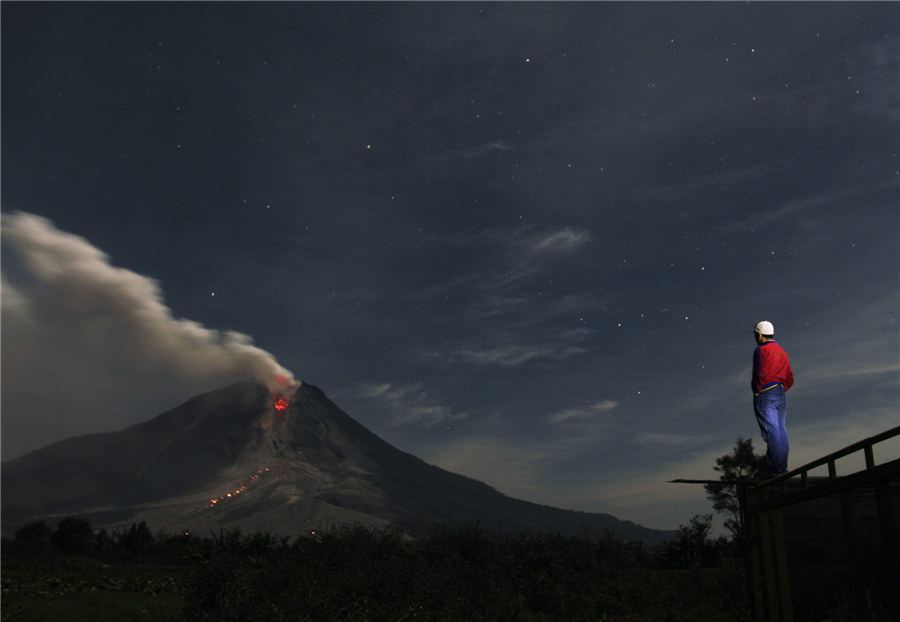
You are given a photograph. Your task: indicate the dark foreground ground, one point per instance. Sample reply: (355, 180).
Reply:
(358, 574)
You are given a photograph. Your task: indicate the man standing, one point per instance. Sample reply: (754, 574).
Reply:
(772, 378)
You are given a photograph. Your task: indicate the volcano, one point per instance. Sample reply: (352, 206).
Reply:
(287, 464)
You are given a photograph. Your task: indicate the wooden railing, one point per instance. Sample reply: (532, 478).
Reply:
(871, 471)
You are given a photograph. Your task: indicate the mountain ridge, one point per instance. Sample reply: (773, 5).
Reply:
(229, 458)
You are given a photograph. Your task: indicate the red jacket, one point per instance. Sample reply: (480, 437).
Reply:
(771, 367)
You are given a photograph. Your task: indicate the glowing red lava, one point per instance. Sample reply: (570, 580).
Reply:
(231, 495)
(280, 402)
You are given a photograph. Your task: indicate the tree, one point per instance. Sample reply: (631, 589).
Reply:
(73, 535)
(33, 539)
(693, 547)
(742, 463)
(35, 531)
(138, 539)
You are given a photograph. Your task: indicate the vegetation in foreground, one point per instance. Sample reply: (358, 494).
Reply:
(355, 573)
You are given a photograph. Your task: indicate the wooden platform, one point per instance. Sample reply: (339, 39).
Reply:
(822, 547)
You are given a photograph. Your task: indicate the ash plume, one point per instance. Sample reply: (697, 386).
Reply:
(88, 346)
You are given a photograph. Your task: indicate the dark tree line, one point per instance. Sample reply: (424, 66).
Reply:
(692, 548)
(75, 536)
(461, 572)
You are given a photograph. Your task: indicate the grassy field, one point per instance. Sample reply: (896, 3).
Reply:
(82, 589)
(148, 593)
(357, 575)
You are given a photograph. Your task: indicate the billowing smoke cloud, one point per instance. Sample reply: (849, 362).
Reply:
(90, 347)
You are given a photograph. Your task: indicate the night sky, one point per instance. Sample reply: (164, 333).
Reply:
(525, 242)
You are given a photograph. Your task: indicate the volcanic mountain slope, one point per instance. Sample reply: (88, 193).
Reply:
(231, 459)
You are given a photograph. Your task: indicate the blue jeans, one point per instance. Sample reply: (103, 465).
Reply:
(771, 411)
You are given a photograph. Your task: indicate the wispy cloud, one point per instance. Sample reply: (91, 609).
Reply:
(877, 76)
(838, 199)
(583, 412)
(509, 255)
(513, 303)
(515, 355)
(408, 404)
(564, 241)
(475, 151)
(512, 351)
(654, 440)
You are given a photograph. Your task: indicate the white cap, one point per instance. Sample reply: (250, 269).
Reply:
(764, 328)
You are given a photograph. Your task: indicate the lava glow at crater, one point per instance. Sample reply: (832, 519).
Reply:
(280, 402)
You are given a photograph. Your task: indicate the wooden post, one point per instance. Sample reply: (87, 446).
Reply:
(749, 537)
(783, 579)
(756, 576)
(857, 571)
(891, 547)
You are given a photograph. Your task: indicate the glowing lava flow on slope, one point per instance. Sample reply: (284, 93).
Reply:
(228, 496)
